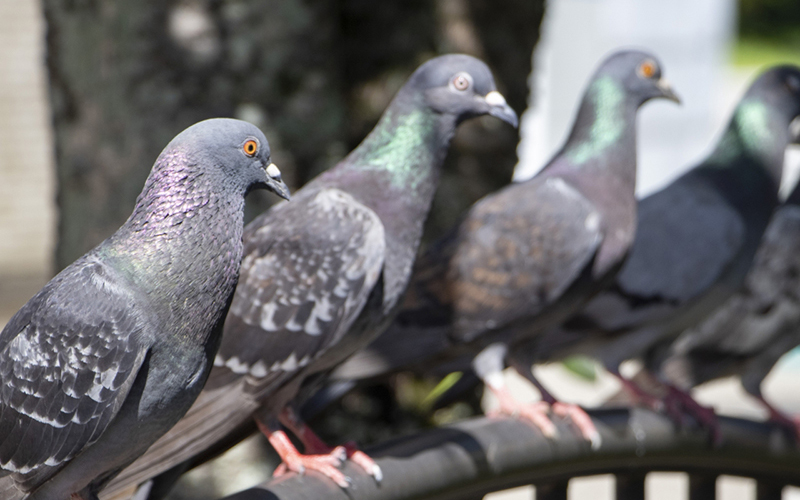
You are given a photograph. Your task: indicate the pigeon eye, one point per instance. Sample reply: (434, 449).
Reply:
(250, 147)
(461, 82)
(647, 69)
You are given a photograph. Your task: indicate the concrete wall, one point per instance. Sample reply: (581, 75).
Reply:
(27, 204)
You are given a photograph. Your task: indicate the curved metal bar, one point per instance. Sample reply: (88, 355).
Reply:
(482, 455)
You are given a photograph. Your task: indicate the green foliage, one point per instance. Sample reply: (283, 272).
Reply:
(581, 366)
(442, 387)
(769, 18)
(763, 52)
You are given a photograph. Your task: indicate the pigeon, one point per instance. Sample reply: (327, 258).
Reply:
(695, 242)
(112, 352)
(323, 275)
(528, 256)
(749, 333)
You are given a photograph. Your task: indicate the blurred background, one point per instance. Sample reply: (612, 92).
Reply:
(91, 90)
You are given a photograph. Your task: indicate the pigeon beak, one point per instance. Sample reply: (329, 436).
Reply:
(275, 182)
(499, 108)
(667, 92)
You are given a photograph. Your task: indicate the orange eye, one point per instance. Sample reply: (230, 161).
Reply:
(461, 82)
(250, 147)
(647, 69)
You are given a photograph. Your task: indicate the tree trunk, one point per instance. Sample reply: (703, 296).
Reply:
(126, 77)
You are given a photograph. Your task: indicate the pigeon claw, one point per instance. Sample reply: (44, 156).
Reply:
(364, 461)
(534, 413)
(581, 420)
(326, 465)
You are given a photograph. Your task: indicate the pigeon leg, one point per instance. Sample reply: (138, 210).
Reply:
(488, 365)
(779, 417)
(313, 444)
(704, 415)
(295, 461)
(575, 413)
(674, 402)
(640, 395)
(671, 407)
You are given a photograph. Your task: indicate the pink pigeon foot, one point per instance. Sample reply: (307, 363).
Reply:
(314, 445)
(295, 461)
(581, 420)
(535, 413)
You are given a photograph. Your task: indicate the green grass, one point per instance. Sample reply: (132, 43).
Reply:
(753, 51)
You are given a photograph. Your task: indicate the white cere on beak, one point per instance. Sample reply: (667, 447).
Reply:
(495, 98)
(273, 171)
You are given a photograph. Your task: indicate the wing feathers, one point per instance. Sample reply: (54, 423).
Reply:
(65, 368)
(301, 292)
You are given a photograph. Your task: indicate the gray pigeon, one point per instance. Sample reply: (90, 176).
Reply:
(113, 351)
(530, 255)
(756, 326)
(695, 241)
(323, 275)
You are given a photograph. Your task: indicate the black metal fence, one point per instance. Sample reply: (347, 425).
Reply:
(472, 458)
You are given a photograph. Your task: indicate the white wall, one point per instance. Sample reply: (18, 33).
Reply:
(690, 38)
(27, 177)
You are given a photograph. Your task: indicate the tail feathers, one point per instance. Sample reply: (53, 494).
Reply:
(217, 412)
(9, 490)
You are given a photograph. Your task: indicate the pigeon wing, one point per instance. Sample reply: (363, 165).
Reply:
(687, 237)
(307, 273)
(309, 268)
(767, 305)
(67, 361)
(515, 254)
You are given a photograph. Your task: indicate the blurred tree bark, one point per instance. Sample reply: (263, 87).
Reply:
(125, 77)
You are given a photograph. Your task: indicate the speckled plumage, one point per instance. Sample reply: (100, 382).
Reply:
(341, 276)
(527, 256)
(113, 350)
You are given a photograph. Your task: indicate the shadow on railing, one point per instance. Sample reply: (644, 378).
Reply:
(475, 457)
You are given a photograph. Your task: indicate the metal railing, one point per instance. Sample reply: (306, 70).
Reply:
(475, 457)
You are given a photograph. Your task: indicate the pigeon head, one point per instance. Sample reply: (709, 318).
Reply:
(234, 151)
(604, 130)
(761, 125)
(639, 74)
(777, 90)
(460, 86)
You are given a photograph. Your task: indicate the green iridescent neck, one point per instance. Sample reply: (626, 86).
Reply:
(605, 104)
(749, 132)
(400, 144)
